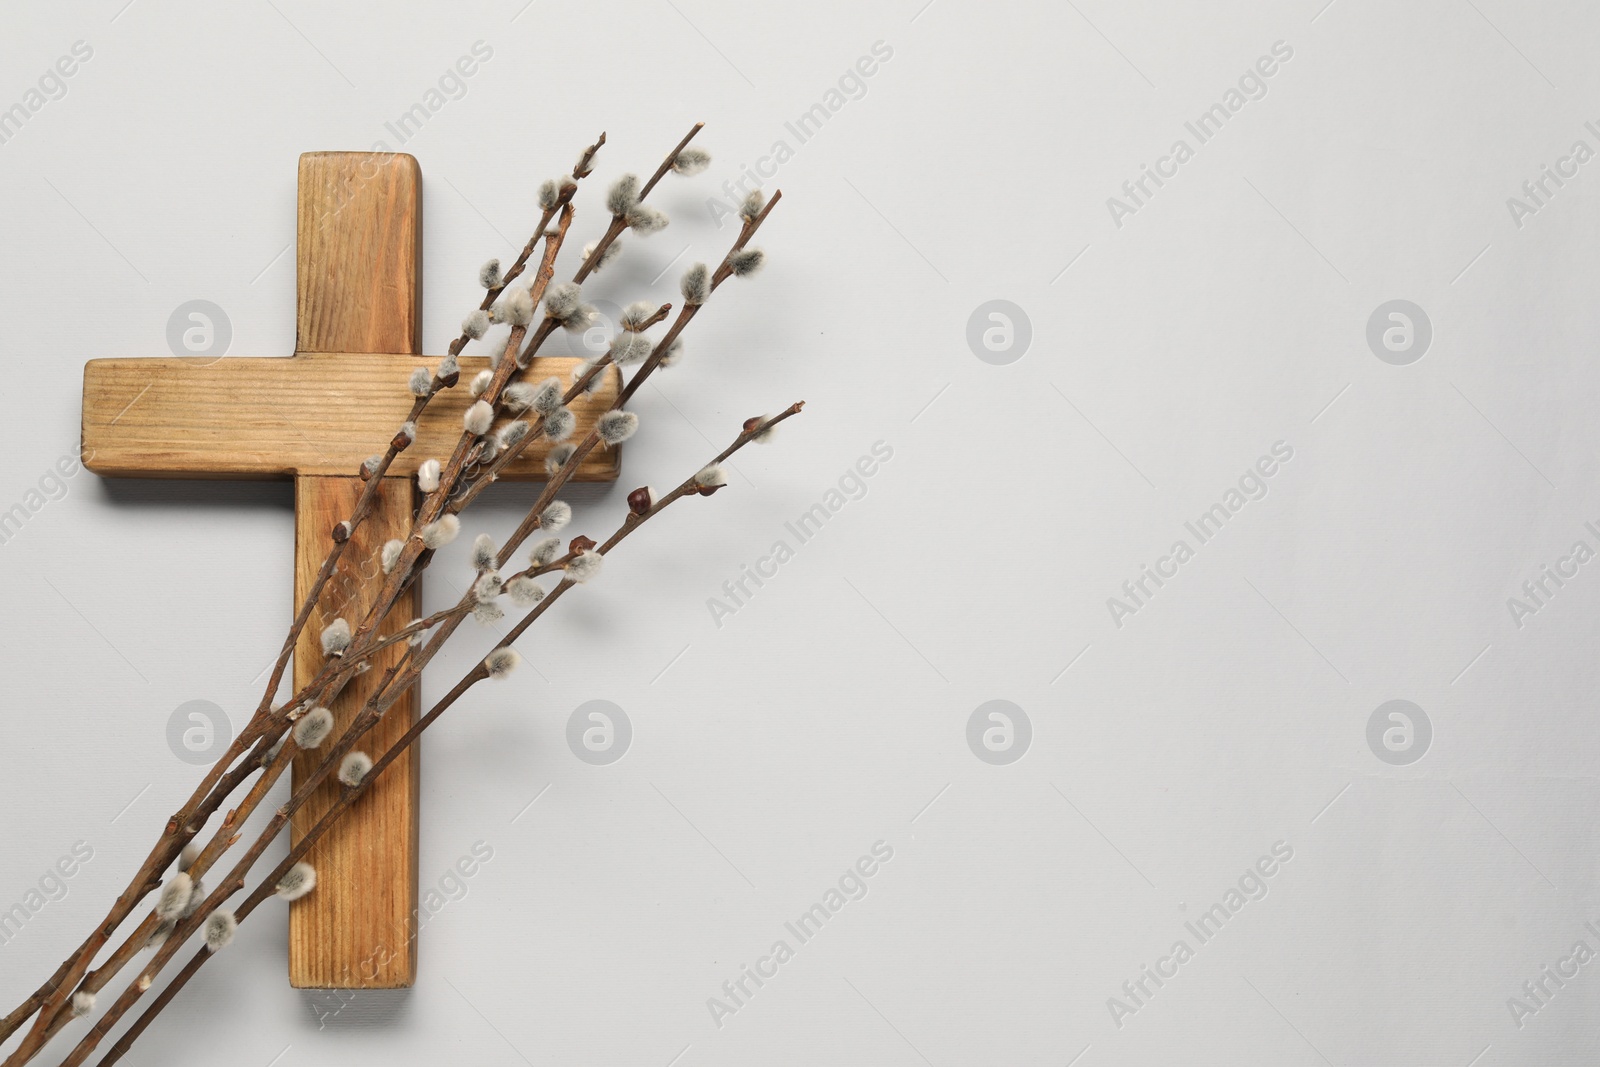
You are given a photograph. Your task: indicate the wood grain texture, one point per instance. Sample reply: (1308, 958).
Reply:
(314, 413)
(356, 929)
(358, 259)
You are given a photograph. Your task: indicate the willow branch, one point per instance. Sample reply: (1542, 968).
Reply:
(49, 1001)
(350, 794)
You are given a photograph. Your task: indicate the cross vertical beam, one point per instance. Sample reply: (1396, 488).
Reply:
(359, 285)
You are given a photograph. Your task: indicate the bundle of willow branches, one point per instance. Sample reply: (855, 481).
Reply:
(509, 413)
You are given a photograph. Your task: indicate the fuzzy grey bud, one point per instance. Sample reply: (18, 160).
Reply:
(525, 591)
(558, 457)
(559, 424)
(646, 220)
(515, 307)
(296, 882)
(489, 274)
(561, 300)
(174, 896)
(753, 204)
(220, 928)
(476, 324)
(484, 553)
(545, 552)
(511, 435)
(478, 418)
(354, 767)
(421, 382)
(584, 566)
(623, 194)
(549, 396)
(428, 475)
(518, 396)
(696, 284)
(691, 161)
(637, 314)
(335, 637)
(616, 427)
(582, 319)
(549, 194)
(501, 662)
(556, 515)
(630, 348)
(313, 728)
(440, 532)
(746, 262)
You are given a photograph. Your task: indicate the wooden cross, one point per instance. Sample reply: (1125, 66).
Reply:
(314, 417)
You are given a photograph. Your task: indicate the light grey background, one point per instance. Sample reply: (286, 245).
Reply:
(831, 710)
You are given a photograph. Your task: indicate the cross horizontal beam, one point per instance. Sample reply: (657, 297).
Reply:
(307, 414)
